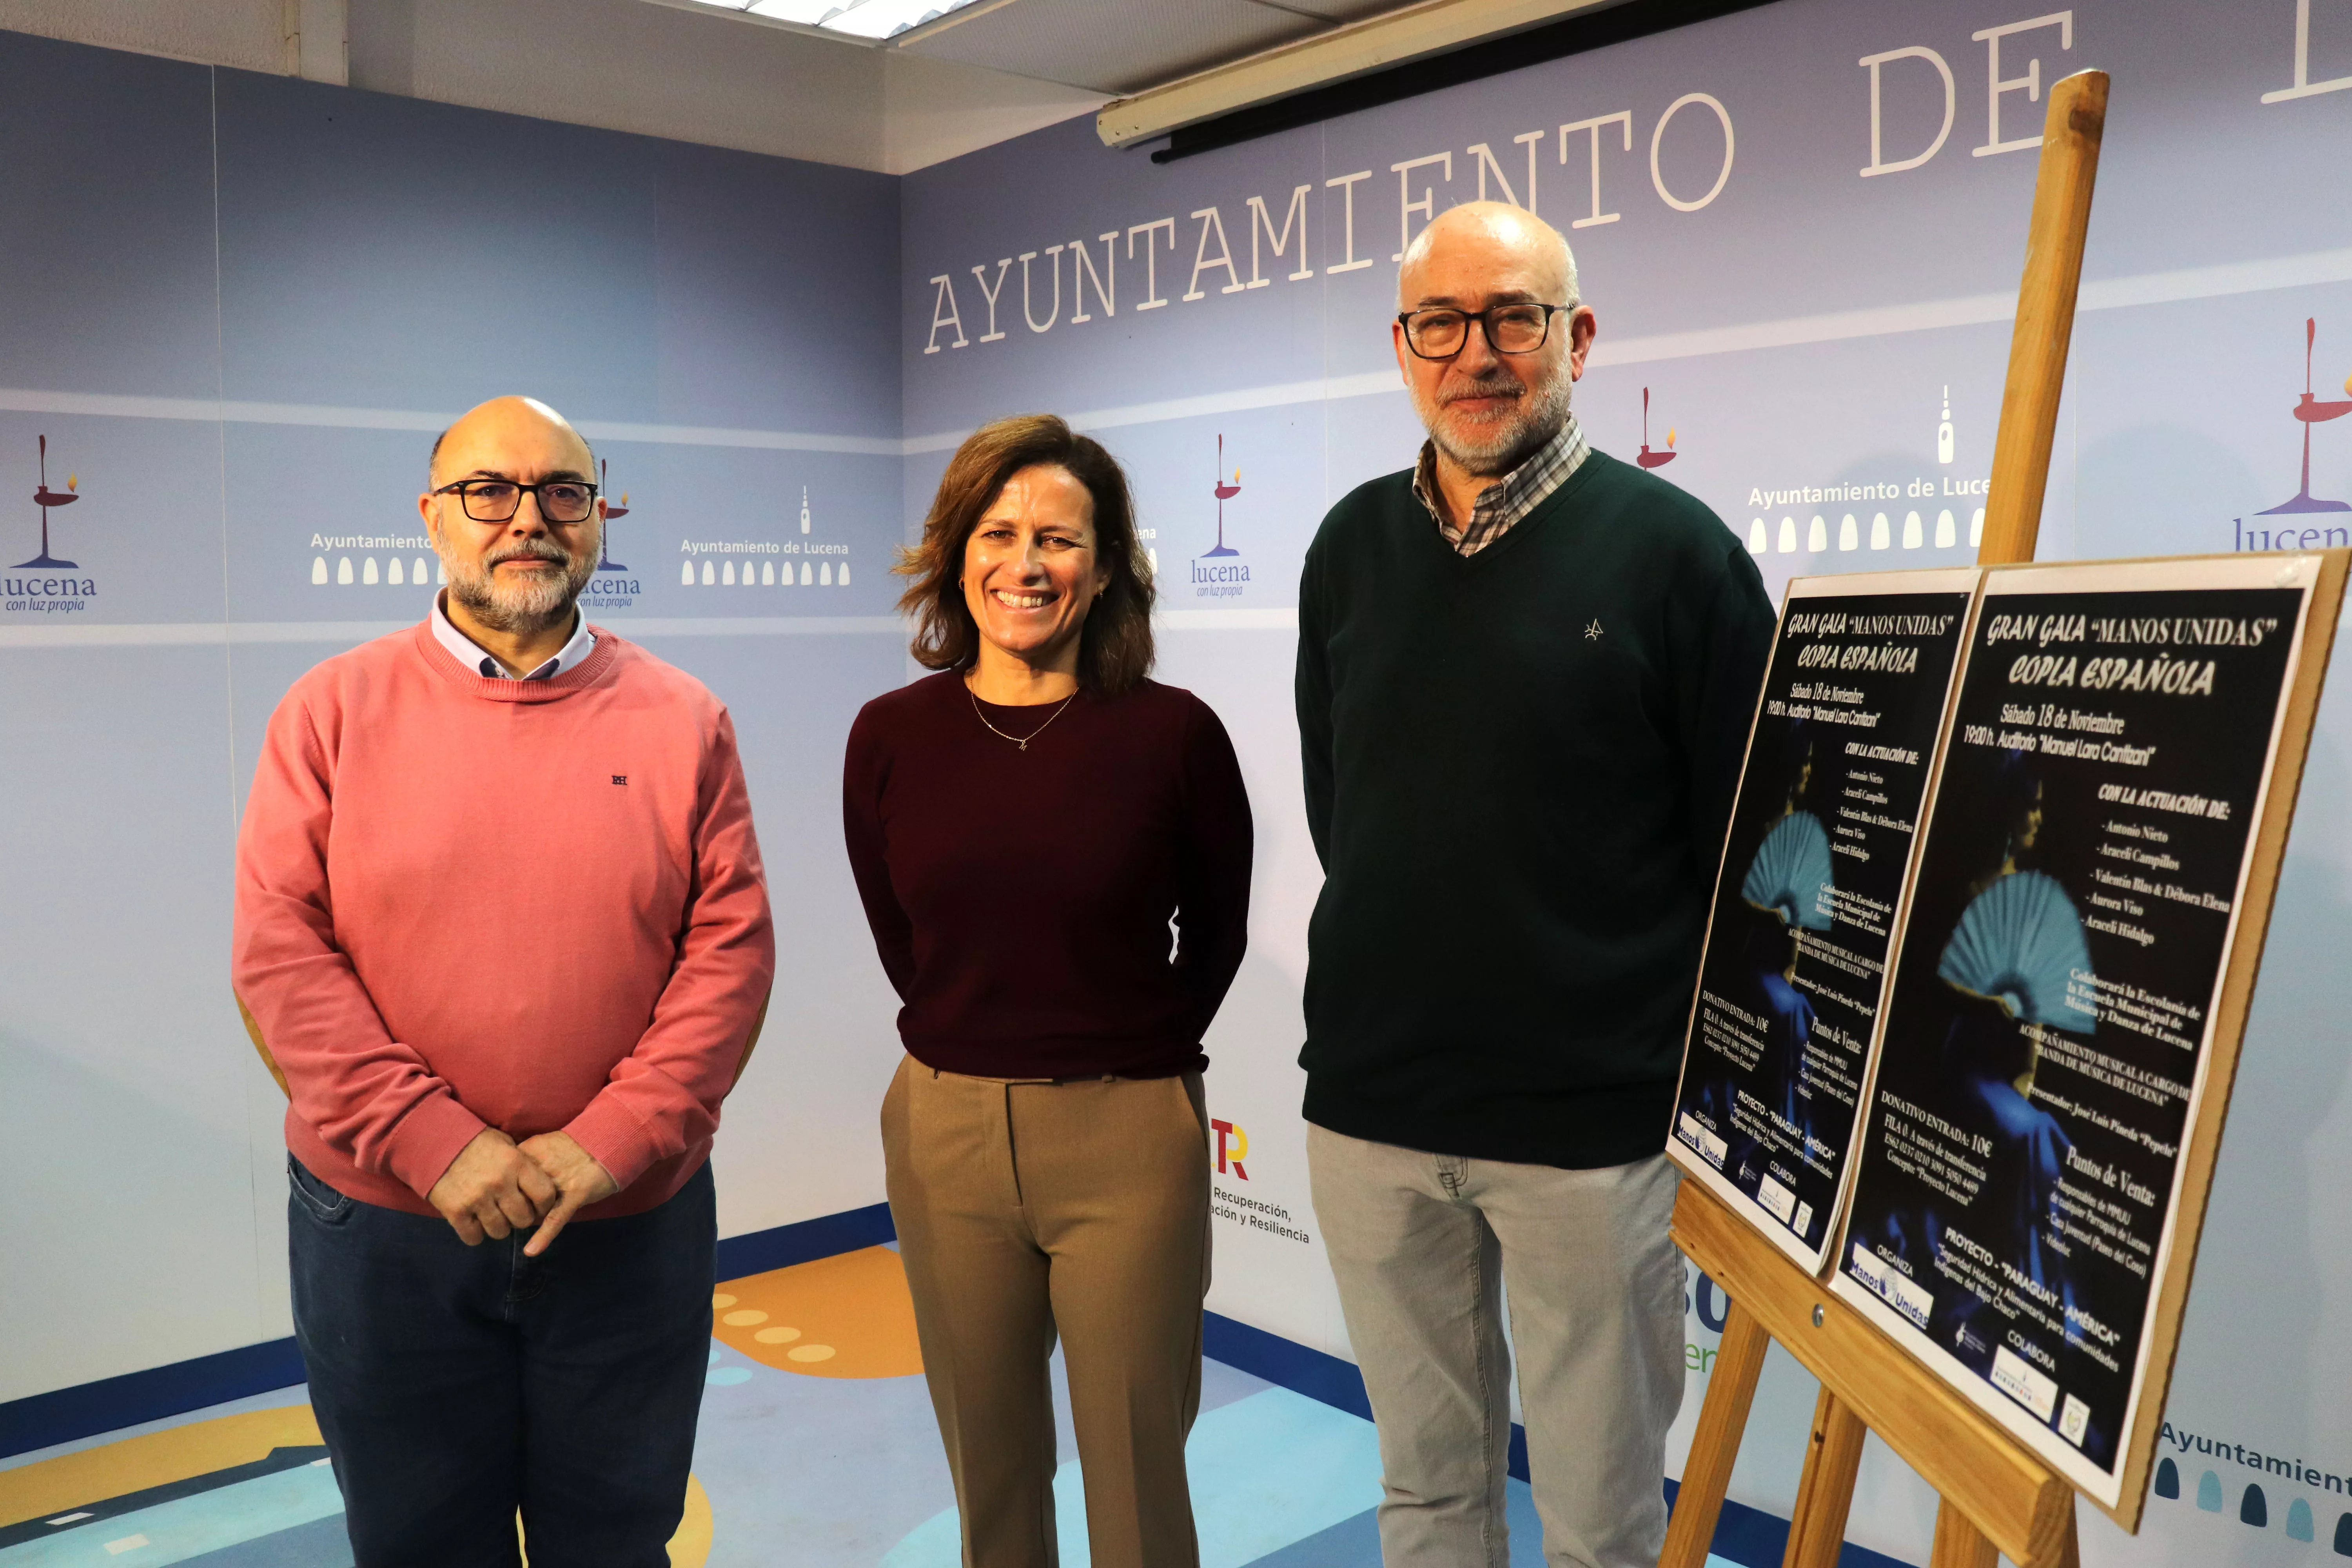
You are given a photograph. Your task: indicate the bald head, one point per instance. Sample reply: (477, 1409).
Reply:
(1491, 240)
(505, 427)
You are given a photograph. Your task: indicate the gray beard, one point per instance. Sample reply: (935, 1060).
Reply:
(1540, 419)
(521, 608)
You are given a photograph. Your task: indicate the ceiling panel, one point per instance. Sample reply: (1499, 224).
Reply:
(1124, 47)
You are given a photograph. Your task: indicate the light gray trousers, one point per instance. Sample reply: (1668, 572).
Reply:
(1424, 1246)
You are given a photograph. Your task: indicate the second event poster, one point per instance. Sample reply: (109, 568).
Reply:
(2053, 1011)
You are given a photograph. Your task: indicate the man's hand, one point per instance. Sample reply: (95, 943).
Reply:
(492, 1188)
(578, 1178)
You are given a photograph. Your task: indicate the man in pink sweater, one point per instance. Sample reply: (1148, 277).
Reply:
(503, 931)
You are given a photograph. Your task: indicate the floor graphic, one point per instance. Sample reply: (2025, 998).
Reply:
(1271, 1468)
(816, 1436)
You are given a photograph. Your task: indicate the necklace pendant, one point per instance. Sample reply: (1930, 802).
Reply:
(1025, 745)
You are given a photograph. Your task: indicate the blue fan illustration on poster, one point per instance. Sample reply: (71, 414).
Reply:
(1787, 889)
(2021, 943)
(1791, 880)
(1793, 873)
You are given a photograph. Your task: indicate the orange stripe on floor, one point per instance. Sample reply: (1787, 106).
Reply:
(845, 1316)
(155, 1459)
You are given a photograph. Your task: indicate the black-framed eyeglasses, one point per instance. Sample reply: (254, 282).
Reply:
(497, 500)
(1516, 329)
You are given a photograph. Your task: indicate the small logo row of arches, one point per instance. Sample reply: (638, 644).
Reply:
(825, 574)
(1762, 538)
(396, 573)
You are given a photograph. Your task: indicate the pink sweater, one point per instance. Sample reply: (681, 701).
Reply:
(534, 905)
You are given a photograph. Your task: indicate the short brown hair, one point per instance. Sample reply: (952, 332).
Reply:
(1115, 647)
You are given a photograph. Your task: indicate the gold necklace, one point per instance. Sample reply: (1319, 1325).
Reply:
(1020, 741)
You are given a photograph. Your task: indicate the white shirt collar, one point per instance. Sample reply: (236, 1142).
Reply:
(470, 656)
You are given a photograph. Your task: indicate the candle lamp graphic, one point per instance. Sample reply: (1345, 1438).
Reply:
(604, 562)
(1226, 491)
(46, 498)
(2312, 412)
(1648, 458)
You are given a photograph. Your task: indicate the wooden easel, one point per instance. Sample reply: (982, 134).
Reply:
(1997, 1497)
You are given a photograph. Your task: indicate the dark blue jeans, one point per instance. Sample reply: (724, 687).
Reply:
(456, 1384)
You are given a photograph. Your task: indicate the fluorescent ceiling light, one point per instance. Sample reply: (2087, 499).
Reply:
(857, 18)
(1413, 32)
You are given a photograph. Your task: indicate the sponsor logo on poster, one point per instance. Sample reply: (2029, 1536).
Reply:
(805, 562)
(2036, 1391)
(1220, 573)
(1696, 1133)
(49, 584)
(2309, 411)
(1883, 1275)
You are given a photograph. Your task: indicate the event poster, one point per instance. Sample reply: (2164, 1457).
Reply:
(1810, 896)
(2050, 1024)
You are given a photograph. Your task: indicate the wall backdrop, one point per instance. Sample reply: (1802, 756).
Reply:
(239, 307)
(1802, 229)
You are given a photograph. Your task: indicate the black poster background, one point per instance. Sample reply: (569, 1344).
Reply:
(2095, 813)
(1835, 776)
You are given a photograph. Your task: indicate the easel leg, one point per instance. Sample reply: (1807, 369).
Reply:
(1959, 1543)
(1817, 1529)
(1707, 1474)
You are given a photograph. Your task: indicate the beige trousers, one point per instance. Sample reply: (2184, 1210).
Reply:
(1029, 1208)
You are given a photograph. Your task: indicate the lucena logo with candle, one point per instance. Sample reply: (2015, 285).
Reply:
(1220, 573)
(2305, 522)
(49, 584)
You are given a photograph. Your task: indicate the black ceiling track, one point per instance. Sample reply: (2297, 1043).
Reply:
(1473, 62)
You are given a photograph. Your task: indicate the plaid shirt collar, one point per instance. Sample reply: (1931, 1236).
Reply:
(1518, 493)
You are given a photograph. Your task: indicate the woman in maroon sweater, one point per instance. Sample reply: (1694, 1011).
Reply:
(1025, 826)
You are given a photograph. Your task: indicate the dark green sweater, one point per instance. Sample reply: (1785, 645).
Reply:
(1519, 769)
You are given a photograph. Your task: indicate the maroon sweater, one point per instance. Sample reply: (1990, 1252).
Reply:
(1021, 899)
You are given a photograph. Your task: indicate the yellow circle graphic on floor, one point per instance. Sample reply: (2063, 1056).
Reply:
(845, 1316)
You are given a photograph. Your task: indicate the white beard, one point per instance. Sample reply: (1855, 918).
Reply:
(1504, 442)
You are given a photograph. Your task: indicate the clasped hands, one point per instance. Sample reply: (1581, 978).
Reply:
(497, 1186)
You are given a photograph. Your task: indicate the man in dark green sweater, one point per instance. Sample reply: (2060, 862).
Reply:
(1526, 674)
